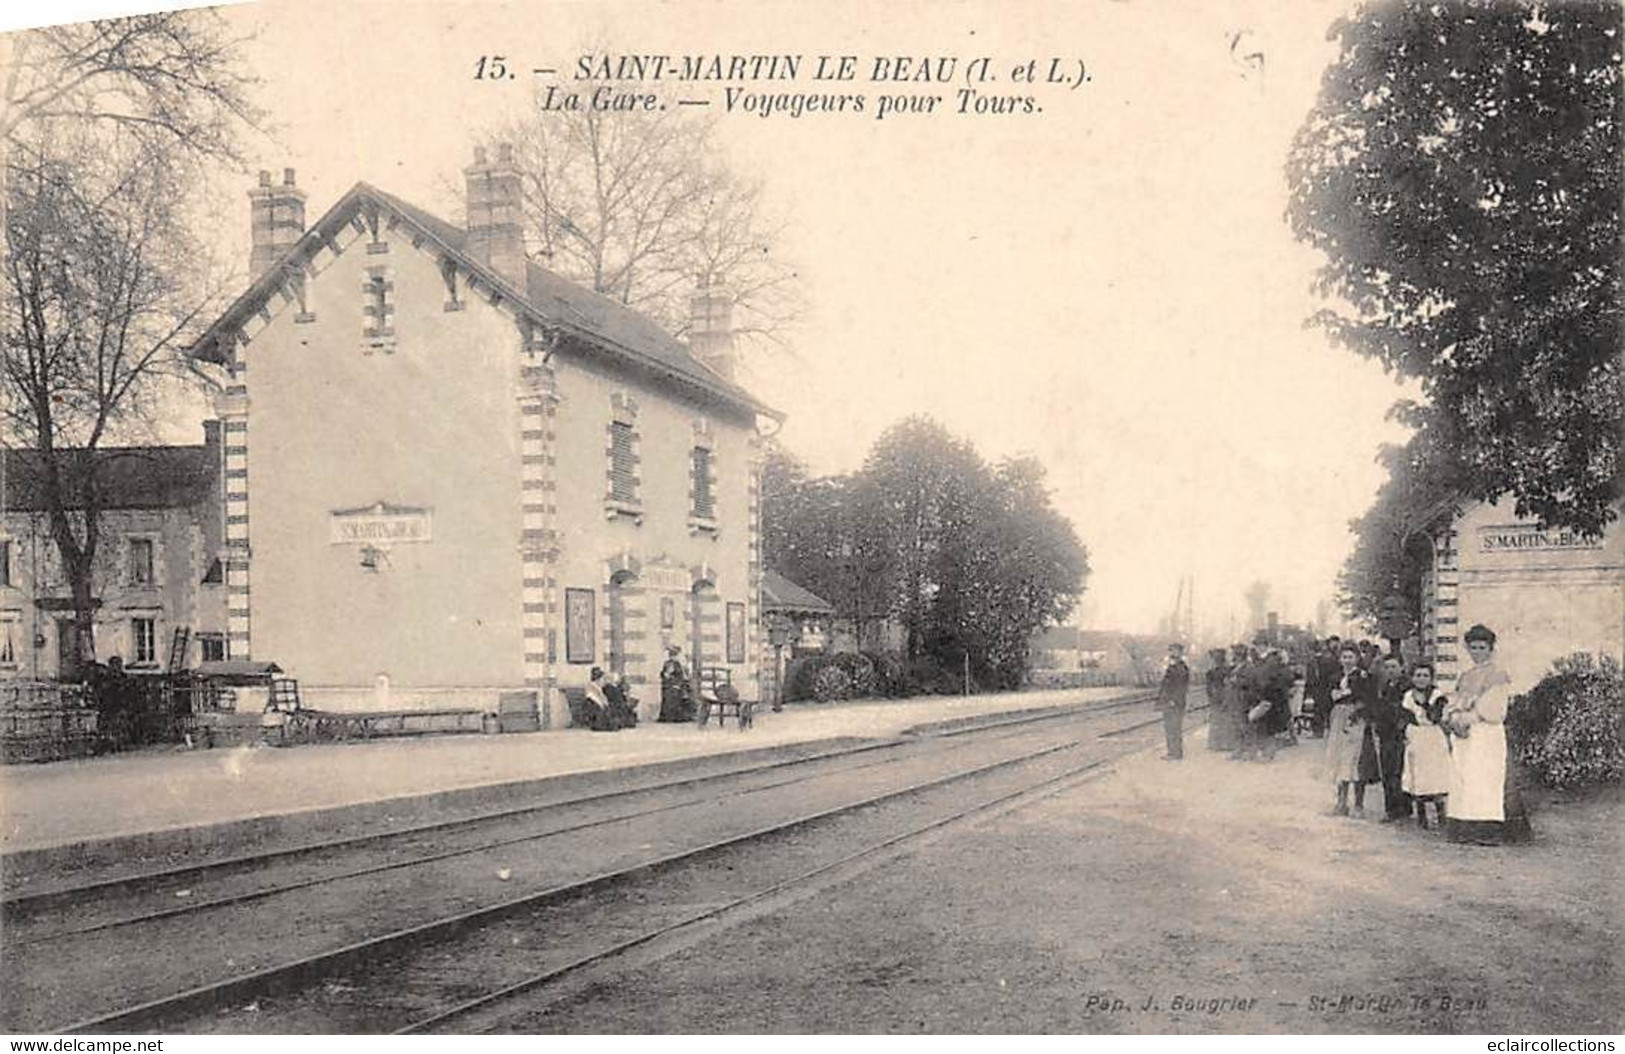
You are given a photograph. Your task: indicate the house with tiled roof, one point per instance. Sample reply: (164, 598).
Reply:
(452, 476)
(156, 567)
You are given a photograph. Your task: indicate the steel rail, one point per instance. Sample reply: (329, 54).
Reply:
(27, 903)
(272, 979)
(195, 907)
(1049, 786)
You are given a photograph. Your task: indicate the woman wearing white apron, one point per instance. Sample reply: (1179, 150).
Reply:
(1479, 794)
(1427, 752)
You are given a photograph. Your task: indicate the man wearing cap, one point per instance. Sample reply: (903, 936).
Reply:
(1176, 680)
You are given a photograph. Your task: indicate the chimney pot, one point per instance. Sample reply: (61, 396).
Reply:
(276, 220)
(505, 153)
(480, 156)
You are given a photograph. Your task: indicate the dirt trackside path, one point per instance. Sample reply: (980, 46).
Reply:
(1204, 896)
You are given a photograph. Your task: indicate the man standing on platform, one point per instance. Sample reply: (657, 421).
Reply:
(1176, 680)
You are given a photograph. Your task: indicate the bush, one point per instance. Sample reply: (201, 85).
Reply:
(806, 677)
(891, 676)
(831, 683)
(860, 669)
(1567, 729)
(927, 676)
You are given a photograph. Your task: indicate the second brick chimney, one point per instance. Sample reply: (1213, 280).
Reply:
(710, 331)
(277, 219)
(496, 234)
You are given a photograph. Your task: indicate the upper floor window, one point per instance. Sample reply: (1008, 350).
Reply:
(213, 646)
(621, 497)
(141, 562)
(5, 562)
(705, 506)
(623, 463)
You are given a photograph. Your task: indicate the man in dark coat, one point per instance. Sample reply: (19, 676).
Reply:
(1388, 725)
(1176, 680)
(1275, 688)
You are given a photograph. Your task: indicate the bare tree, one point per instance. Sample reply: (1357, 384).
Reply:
(171, 78)
(640, 205)
(104, 127)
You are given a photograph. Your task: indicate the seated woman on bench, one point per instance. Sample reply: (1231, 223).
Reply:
(605, 705)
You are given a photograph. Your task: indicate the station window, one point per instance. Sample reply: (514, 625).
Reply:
(705, 506)
(213, 646)
(5, 563)
(623, 463)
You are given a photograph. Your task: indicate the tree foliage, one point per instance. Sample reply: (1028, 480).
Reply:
(1461, 174)
(639, 205)
(1391, 546)
(970, 559)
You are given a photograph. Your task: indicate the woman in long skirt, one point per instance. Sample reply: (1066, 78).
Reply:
(1221, 731)
(1483, 806)
(1427, 752)
(1350, 759)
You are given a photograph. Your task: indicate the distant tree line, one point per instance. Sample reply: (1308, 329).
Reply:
(1461, 173)
(969, 558)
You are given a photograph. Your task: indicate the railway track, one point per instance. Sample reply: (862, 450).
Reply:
(335, 859)
(928, 765)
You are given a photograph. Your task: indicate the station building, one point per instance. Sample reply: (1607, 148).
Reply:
(450, 474)
(1546, 593)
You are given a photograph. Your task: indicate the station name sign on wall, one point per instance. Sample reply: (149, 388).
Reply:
(1528, 538)
(381, 524)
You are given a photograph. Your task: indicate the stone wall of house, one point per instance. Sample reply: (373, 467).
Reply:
(138, 611)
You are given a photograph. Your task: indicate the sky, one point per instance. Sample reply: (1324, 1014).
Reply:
(1109, 283)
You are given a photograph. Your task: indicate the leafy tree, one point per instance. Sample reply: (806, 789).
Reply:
(972, 560)
(1038, 567)
(919, 487)
(1461, 174)
(1391, 549)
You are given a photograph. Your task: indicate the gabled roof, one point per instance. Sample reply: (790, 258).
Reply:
(1101, 640)
(1056, 638)
(603, 325)
(155, 477)
(781, 594)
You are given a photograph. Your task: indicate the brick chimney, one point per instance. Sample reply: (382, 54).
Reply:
(710, 332)
(278, 219)
(496, 234)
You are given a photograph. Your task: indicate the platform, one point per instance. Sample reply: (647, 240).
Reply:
(170, 801)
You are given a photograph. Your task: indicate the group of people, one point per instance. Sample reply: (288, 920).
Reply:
(1382, 724)
(610, 707)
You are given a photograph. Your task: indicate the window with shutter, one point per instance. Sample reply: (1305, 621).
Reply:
(704, 503)
(623, 464)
